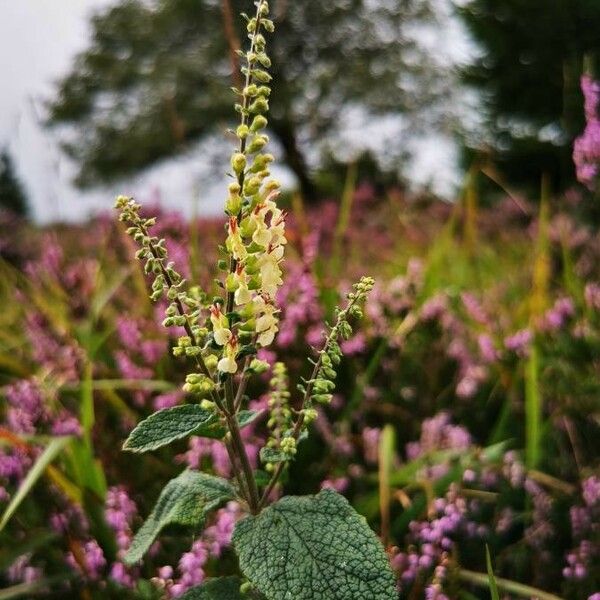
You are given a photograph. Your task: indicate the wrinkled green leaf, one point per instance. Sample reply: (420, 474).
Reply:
(273, 455)
(313, 547)
(185, 500)
(223, 588)
(217, 430)
(169, 425)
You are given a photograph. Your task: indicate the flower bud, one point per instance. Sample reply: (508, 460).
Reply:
(259, 122)
(238, 162)
(260, 105)
(259, 366)
(258, 143)
(233, 204)
(251, 186)
(242, 132)
(261, 75)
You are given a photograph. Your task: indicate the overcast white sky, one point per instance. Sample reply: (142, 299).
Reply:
(38, 40)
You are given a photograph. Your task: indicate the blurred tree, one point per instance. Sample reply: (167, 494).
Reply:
(12, 196)
(528, 72)
(156, 77)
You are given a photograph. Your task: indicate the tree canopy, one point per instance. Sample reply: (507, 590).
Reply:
(12, 195)
(157, 73)
(528, 72)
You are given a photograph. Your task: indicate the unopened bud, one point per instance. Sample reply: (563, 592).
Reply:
(238, 162)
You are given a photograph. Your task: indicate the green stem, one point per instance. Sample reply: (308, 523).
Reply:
(526, 591)
(333, 335)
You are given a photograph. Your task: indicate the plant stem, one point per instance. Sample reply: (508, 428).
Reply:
(236, 469)
(181, 310)
(238, 447)
(333, 335)
(526, 591)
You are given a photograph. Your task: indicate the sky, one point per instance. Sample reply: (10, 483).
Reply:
(38, 41)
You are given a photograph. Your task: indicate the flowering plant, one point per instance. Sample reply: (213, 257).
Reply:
(296, 547)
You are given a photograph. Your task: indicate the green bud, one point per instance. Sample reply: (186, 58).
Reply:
(264, 60)
(261, 75)
(259, 366)
(233, 204)
(242, 131)
(260, 105)
(211, 361)
(259, 122)
(264, 90)
(258, 143)
(310, 415)
(251, 186)
(238, 162)
(251, 90)
(231, 283)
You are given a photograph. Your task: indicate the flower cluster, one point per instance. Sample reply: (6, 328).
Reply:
(586, 150)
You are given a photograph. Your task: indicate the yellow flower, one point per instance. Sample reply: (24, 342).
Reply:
(221, 331)
(242, 294)
(234, 242)
(228, 364)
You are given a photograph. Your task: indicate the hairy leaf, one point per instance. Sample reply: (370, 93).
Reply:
(185, 500)
(223, 588)
(313, 547)
(217, 431)
(168, 425)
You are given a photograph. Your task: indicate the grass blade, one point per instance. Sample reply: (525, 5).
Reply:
(49, 454)
(491, 577)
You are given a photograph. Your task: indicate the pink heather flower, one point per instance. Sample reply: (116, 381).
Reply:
(26, 407)
(355, 345)
(488, 352)
(519, 342)
(66, 424)
(474, 308)
(13, 464)
(128, 369)
(129, 333)
(120, 574)
(152, 351)
(338, 484)
(167, 400)
(21, 571)
(434, 308)
(586, 149)
(556, 317)
(370, 439)
(592, 295)
(591, 490)
(94, 561)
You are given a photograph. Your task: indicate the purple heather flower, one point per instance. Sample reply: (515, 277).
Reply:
(21, 571)
(338, 484)
(586, 149)
(591, 490)
(65, 424)
(370, 438)
(167, 400)
(592, 295)
(93, 557)
(519, 342)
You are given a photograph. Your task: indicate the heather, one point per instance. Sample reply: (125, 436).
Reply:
(464, 414)
(379, 395)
